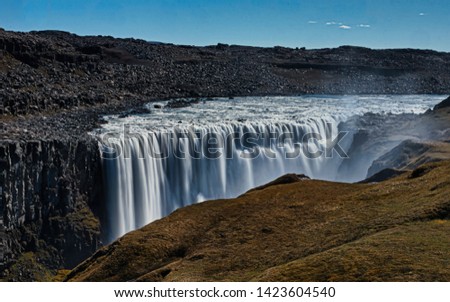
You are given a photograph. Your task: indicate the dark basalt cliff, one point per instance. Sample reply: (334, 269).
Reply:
(49, 190)
(55, 85)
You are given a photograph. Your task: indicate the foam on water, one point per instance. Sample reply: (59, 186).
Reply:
(274, 109)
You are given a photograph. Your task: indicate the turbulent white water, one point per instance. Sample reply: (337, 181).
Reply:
(155, 163)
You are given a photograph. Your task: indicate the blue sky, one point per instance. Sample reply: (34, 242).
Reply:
(293, 23)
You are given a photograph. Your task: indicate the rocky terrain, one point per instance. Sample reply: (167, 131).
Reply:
(49, 70)
(54, 86)
(63, 81)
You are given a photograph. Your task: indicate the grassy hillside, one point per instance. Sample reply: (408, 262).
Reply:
(412, 252)
(297, 230)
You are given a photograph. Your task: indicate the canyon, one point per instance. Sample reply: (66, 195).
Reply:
(56, 88)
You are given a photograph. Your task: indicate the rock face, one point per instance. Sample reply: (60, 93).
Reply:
(49, 191)
(383, 175)
(444, 104)
(401, 157)
(409, 155)
(395, 142)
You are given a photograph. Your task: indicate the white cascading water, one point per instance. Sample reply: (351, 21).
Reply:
(164, 164)
(143, 187)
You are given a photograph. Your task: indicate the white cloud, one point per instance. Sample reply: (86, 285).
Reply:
(334, 23)
(345, 27)
(312, 22)
(364, 25)
(422, 14)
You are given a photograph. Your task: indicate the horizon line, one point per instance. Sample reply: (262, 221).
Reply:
(210, 45)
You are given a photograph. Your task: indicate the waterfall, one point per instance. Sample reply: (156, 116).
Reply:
(150, 174)
(155, 163)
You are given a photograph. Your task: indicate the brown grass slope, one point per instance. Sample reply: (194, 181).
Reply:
(412, 252)
(305, 230)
